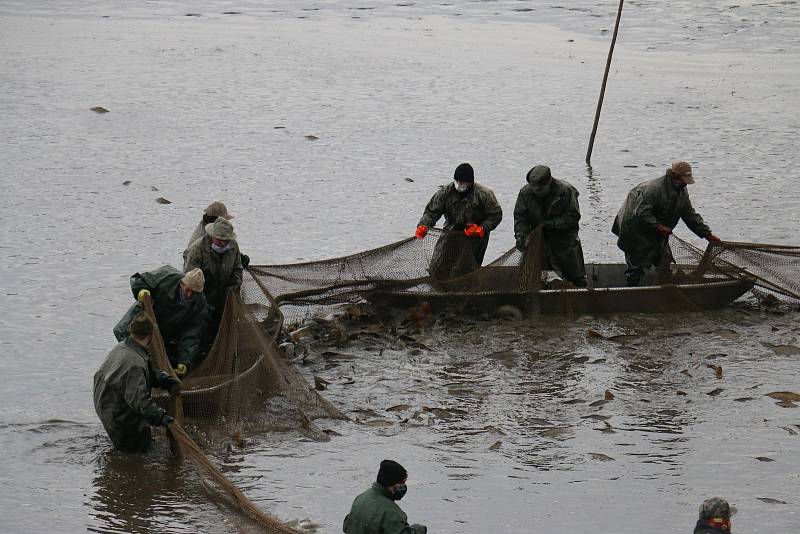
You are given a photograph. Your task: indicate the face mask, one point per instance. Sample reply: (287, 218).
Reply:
(461, 187)
(678, 184)
(221, 249)
(399, 492)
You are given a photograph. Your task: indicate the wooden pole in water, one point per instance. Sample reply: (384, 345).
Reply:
(603, 87)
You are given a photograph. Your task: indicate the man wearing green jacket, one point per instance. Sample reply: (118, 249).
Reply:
(180, 309)
(376, 511)
(553, 205)
(122, 390)
(217, 255)
(467, 206)
(648, 216)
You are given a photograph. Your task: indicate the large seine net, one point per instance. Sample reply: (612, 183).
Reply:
(441, 271)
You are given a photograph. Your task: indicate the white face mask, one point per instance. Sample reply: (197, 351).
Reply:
(461, 187)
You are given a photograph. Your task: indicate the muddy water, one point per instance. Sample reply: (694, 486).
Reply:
(219, 105)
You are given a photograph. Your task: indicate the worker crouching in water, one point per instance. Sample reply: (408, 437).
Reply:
(553, 205)
(469, 208)
(180, 309)
(376, 511)
(122, 390)
(650, 213)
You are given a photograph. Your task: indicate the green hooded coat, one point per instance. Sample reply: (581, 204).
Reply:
(122, 396)
(648, 204)
(373, 512)
(182, 324)
(222, 271)
(560, 213)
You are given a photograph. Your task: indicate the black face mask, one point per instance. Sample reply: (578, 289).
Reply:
(208, 219)
(399, 492)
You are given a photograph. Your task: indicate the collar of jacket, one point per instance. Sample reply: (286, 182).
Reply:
(380, 489)
(132, 344)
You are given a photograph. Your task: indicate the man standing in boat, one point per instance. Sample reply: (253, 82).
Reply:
(648, 216)
(553, 205)
(467, 207)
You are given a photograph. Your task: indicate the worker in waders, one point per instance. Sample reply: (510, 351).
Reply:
(180, 309)
(650, 213)
(469, 208)
(212, 212)
(376, 511)
(122, 390)
(715, 517)
(553, 205)
(217, 255)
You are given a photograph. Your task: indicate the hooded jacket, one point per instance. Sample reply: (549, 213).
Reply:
(122, 396)
(648, 204)
(477, 206)
(181, 323)
(373, 512)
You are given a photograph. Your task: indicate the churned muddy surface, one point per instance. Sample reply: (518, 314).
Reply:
(307, 118)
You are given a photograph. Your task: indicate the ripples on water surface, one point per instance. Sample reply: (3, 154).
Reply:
(505, 436)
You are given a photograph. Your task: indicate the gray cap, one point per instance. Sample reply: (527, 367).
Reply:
(221, 229)
(539, 175)
(716, 507)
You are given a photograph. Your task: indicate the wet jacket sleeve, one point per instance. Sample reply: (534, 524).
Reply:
(494, 213)
(137, 396)
(235, 281)
(522, 226)
(693, 219)
(138, 283)
(121, 329)
(194, 258)
(434, 210)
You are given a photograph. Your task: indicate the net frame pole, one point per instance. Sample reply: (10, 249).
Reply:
(603, 86)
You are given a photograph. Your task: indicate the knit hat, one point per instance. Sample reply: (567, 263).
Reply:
(391, 473)
(218, 209)
(221, 229)
(141, 325)
(194, 280)
(464, 173)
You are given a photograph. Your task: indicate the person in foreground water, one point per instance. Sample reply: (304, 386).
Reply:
(650, 213)
(376, 511)
(122, 390)
(715, 517)
(553, 205)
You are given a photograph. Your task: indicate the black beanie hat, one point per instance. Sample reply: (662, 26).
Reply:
(464, 173)
(391, 473)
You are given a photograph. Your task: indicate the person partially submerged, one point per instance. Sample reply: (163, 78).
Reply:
(122, 387)
(376, 511)
(715, 517)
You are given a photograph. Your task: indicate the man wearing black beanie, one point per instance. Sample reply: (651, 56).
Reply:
(467, 207)
(376, 511)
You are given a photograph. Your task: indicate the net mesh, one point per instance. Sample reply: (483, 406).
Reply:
(440, 269)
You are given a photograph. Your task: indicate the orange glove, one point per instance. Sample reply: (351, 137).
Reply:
(422, 231)
(713, 239)
(665, 231)
(473, 230)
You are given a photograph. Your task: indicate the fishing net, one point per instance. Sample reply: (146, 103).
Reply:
(440, 270)
(244, 384)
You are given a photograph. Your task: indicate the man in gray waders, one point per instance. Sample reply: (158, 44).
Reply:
(376, 512)
(553, 205)
(122, 390)
(650, 212)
